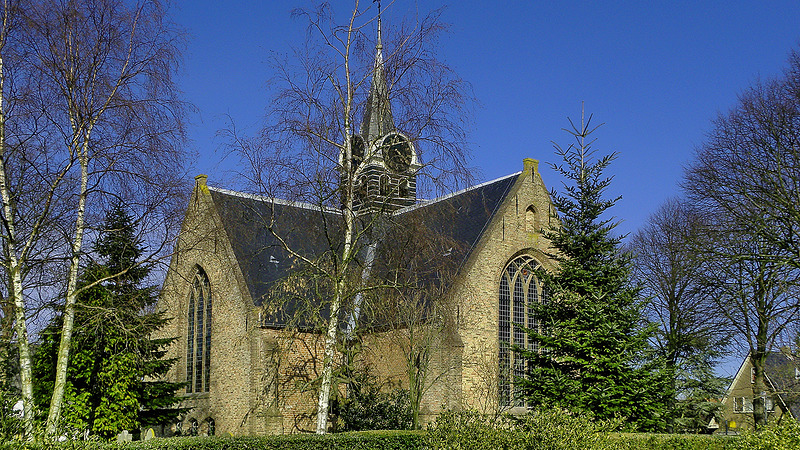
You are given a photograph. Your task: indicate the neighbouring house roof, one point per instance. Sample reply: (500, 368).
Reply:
(457, 220)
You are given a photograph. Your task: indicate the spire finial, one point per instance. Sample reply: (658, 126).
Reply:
(380, 45)
(378, 112)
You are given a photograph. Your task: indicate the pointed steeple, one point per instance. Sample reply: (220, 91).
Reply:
(378, 111)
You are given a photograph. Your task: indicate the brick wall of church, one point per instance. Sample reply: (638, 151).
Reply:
(515, 230)
(203, 243)
(261, 379)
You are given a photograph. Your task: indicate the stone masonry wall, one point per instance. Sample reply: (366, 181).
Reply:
(515, 230)
(203, 243)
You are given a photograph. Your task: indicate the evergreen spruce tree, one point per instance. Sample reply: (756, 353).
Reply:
(592, 347)
(114, 365)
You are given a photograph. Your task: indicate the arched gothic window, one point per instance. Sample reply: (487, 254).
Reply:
(519, 290)
(198, 344)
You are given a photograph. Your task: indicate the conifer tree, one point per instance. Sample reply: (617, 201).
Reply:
(590, 346)
(115, 363)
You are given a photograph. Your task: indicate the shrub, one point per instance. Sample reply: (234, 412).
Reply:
(776, 436)
(371, 409)
(542, 429)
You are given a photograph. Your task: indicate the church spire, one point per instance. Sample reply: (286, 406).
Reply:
(378, 111)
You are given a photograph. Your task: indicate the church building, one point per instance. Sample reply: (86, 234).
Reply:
(250, 366)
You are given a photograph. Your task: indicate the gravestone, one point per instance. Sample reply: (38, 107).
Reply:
(124, 436)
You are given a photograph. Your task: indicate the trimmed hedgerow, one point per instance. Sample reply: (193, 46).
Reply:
(542, 430)
(647, 441)
(390, 440)
(555, 430)
(775, 436)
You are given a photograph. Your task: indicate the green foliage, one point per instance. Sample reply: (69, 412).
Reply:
(645, 441)
(593, 358)
(463, 431)
(542, 429)
(367, 408)
(554, 430)
(775, 436)
(111, 351)
(368, 404)
(10, 421)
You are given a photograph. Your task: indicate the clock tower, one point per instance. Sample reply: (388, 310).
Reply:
(384, 159)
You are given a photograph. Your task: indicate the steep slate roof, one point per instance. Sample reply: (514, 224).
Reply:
(461, 218)
(305, 228)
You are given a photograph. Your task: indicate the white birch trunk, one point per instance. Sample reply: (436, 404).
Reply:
(13, 267)
(25, 362)
(333, 322)
(62, 360)
(16, 293)
(349, 231)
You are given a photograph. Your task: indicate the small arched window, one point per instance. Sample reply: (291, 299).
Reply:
(384, 185)
(210, 427)
(519, 290)
(404, 192)
(198, 341)
(531, 226)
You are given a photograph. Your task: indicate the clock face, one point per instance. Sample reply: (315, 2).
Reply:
(357, 151)
(397, 153)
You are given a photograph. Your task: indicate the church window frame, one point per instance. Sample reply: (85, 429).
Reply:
(198, 341)
(519, 289)
(384, 185)
(404, 189)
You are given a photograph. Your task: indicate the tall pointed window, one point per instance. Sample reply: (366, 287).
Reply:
(519, 290)
(198, 344)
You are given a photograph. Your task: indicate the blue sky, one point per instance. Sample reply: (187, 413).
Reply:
(655, 73)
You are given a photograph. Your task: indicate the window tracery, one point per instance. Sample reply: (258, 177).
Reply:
(198, 344)
(519, 290)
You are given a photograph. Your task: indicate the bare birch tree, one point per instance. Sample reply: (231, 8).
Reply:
(309, 150)
(13, 257)
(100, 119)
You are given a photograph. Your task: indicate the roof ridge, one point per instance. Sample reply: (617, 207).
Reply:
(452, 194)
(274, 200)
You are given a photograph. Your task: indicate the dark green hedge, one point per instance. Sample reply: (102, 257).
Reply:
(465, 431)
(372, 440)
